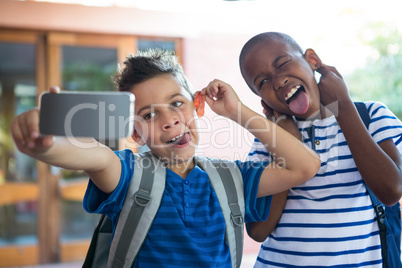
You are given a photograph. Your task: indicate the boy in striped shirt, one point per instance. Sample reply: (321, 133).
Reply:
(189, 227)
(328, 221)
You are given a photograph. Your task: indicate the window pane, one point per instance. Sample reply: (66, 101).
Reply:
(144, 44)
(18, 94)
(88, 68)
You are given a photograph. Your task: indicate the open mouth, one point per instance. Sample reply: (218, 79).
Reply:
(293, 93)
(180, 139)
(298, 100)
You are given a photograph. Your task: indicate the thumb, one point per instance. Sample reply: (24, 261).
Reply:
(54, 89)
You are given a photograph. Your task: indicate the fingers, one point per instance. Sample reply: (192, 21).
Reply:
(32, 124)
(16, 132)
(326, 69)
(25, 131)
(270, 113)
(323, 70)
(28, 123)
(334, 70)
(19, 129)
(221, 98)
(267, 111)
(47, 141)
(212, 89)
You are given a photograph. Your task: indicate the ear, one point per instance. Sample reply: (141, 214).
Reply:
(137, 138)
(312, 58)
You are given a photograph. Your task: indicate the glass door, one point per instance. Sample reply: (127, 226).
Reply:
(19, 190)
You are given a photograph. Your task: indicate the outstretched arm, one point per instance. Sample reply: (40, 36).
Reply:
(379, 164)
(97, 160)
(294, 163)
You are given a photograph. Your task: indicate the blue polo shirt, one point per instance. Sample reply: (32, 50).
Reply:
(189, 228)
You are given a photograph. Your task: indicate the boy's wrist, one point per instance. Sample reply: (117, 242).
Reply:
(344, 109)
(239, 113)
(338, 108)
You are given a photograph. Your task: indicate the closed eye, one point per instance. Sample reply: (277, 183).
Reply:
(280, 66)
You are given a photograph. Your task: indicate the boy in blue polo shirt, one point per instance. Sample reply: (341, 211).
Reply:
(328, 221)
(189, 229)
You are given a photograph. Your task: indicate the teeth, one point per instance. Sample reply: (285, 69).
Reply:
(175, 138)
(291, 92)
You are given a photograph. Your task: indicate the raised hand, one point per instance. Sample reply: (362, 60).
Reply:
(25, 132)
(332, 86)
(222, 99)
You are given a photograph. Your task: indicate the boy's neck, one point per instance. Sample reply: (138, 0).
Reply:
(183, 168)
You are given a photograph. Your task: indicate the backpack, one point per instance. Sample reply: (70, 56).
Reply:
(142, 203)
(388, 218)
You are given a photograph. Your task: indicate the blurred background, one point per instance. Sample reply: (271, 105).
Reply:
(78, 44)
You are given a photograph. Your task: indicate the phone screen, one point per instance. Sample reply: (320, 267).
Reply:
(101, 115)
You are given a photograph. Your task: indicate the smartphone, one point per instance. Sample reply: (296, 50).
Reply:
(101, 115)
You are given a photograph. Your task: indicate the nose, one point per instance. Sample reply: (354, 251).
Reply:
(170, 119)
(280, 82)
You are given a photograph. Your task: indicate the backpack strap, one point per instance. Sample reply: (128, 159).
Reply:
(227, 181)
(140, 207)
(100, 244)
(378, 207)
(363, 112)
(139, 210)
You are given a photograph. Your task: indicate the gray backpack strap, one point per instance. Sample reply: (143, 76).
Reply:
(139, 210)
(227, 181)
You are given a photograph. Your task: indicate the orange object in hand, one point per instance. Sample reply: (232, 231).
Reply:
(199, 103)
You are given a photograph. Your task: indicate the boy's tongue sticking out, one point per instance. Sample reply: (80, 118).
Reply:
(181, 139)
(298, 102)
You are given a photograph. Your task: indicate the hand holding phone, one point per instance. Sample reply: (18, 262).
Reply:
(100, 115)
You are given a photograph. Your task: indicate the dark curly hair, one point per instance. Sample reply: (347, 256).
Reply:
(149, 64)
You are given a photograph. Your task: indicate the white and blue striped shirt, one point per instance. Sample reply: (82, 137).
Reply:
(329, 220)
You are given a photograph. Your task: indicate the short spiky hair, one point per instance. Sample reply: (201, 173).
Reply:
(149, 64)
(266, 37)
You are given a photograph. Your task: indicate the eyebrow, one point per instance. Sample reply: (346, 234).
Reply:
(168, 99)
(273, 64)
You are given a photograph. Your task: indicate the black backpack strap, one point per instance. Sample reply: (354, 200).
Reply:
(363, 112)
(378, 207)
(100, 244)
